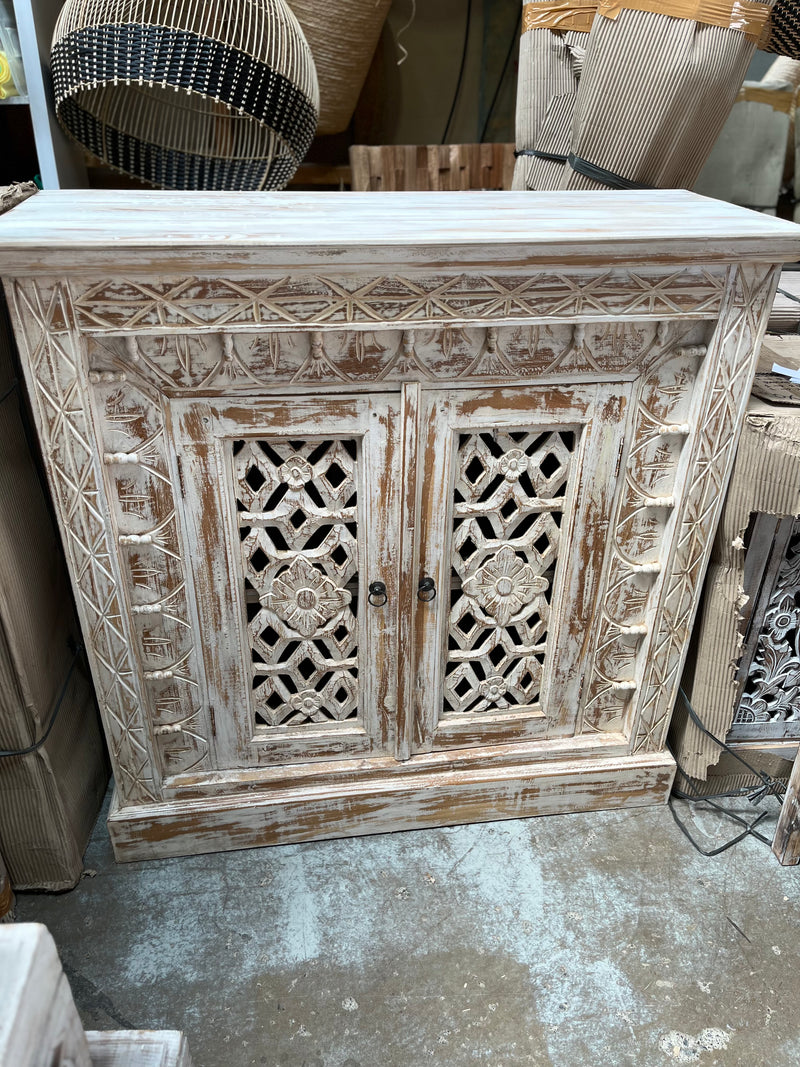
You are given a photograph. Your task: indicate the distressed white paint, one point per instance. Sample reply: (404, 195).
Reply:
(165, 336)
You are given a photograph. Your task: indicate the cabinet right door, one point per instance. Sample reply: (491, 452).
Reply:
(517, 489)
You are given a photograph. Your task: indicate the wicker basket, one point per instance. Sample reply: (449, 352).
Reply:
(342, 35)
(784, 30)
(247, 111)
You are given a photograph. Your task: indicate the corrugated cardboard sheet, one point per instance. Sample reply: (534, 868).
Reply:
(766, 478)
(49, 799)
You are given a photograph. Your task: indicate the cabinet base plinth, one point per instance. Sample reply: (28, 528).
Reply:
(442, 798)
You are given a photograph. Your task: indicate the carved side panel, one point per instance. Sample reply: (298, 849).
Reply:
(413, 299)
(639, 537)
(145, 521)
(772, 689)
(242, 362)
(65, 427)
(719, 418)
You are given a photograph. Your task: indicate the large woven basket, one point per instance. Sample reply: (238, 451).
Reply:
(343, 35)
(187, 95)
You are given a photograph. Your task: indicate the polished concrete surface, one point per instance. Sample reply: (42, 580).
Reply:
(574, 940)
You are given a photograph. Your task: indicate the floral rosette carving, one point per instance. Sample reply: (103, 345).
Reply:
(772, 691)
(504, 585)
(305, 598)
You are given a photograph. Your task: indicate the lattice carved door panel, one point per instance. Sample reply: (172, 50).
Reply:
(299, 498)
(511, 534)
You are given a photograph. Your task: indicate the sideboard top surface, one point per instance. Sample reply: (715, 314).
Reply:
(76, 231)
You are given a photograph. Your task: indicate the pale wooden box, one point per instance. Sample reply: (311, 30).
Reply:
(385, 511)
(39, 1022)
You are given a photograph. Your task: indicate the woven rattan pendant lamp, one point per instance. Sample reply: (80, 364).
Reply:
(187, 94)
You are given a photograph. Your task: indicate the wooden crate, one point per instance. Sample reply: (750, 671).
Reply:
(384, 168)
(138, 1048)
(40, 1025)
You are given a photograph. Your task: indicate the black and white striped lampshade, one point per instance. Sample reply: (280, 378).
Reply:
(185, 94)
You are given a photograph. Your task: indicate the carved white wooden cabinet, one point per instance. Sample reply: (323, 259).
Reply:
(385, 511)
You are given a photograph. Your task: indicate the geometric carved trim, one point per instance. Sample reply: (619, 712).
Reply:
(308, 300)
(719, 421)
(243, 361)
(134, 448)
(43, 330)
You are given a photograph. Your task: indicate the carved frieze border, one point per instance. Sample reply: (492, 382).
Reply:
(179, 363)
(415, 299)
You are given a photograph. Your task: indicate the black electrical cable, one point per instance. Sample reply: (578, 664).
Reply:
(769, 787)
(460, 71)
(749, 827)
(11, 389)
(509, 53)
(4, 753)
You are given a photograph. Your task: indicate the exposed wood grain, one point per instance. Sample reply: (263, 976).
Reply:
(786, 843)
(456, 797)
(410, 575)
(78, 231)
(138, 1048)
(452, 167)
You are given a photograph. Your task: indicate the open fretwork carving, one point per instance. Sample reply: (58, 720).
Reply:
(772, 688)
(297, 514)
(508, 508)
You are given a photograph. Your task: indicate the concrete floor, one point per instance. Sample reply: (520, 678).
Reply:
(575, 940)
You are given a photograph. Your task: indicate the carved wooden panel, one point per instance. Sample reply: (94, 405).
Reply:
(244, 362)
(48, 345)
(295, 502)
(415, 298)
(145, 521)
(508, 503)
(719, 419)
(770, 700)
(515, 491)
(297, 509)
(639, 537)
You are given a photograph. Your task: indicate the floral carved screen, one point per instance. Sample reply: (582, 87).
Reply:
(771, 693)
(508, 506)
(297, 514)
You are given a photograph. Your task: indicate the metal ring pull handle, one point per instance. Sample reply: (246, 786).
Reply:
(377, 594)
(426, 590)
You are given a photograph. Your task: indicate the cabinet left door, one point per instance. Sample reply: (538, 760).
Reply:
(291, 510)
